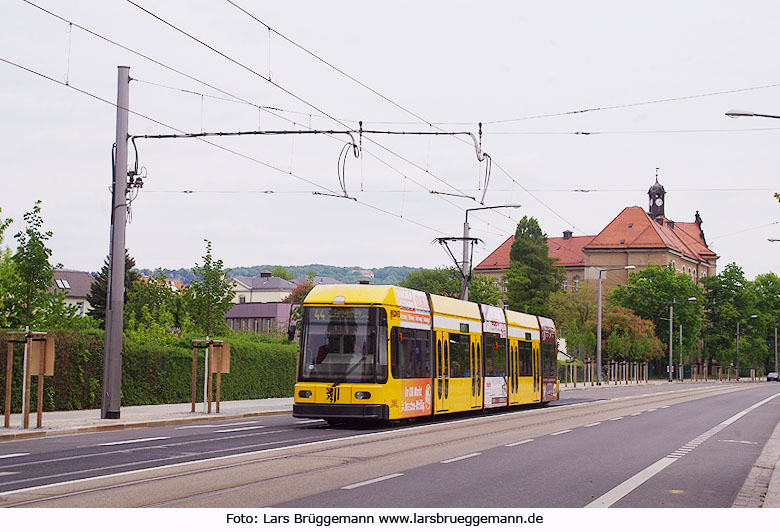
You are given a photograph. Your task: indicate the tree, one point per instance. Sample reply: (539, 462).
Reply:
(572, 310)
(649, 294)
(98, 291)
(729, 300)
(766, 288)
(35, 274)
(532, 275)
(281, 271)
(152, 302)
(447, 282)
(210, 295)
(626, 336)
(7, 275)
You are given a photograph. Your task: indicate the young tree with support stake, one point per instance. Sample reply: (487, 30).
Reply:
(34, 272)
(210, 295)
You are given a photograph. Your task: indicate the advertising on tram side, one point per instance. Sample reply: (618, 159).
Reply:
(416, 398)
(496, 392)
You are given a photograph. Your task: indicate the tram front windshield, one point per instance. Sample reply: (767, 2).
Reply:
(344, 344)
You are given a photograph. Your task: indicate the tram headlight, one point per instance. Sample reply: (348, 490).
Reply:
(304, 394)
(362, 395)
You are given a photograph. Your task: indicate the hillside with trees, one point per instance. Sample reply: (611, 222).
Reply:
(346, 274)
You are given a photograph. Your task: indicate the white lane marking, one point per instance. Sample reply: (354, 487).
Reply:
(250, 454)
(621, 490)
(652, 410)
(518, 443)
(308, 421)
(372, 481)
(9, 473)
(14, 455)
(740, 441)
(240, 429)
(616, 418)
(560, 432)
(636, 414)
(124, 442)
(213, 426)
(465, 456)
(593, 424)
(667, 406)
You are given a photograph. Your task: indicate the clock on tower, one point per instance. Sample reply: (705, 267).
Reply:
(656, 194)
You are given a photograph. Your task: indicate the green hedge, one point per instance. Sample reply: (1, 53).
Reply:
(152, 374)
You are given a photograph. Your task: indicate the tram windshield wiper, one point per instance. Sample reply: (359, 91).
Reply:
(350, 369)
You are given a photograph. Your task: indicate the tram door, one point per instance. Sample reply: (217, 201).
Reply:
(514, 372)
(475, 357)
(442, 374)
(537, 364)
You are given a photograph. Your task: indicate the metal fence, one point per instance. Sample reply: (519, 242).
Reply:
(576, 373)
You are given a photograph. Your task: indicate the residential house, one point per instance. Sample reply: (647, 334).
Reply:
(263, 289)
(260, 317)
(75, 285)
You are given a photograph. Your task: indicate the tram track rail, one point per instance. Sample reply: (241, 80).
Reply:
(309, 467)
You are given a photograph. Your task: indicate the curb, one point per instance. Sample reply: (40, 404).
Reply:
(41, 433)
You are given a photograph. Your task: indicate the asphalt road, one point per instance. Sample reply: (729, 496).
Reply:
(654, 446)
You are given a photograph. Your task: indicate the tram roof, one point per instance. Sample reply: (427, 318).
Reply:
(519, 319)
(455, 307)
(353, 294)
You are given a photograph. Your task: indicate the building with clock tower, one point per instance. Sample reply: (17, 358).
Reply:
(635, 237)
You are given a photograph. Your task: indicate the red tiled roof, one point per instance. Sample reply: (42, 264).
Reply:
(633, 228)
(568, 251)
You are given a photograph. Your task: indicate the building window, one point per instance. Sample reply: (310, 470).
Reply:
(565, 284)
(576, 282)
(241, 299)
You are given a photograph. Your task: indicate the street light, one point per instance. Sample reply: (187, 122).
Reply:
(738, 320)
(738, 113)
(671, 332)
(466, 265)
(598, 327)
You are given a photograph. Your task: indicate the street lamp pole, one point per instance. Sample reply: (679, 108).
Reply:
(682, 371)
(466, 264)
(598, 325)
(671, 337)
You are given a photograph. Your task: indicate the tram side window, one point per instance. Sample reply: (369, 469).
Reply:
(549, 360)
(411, 354)
(460, 365)
(526, 366)
(495, 355)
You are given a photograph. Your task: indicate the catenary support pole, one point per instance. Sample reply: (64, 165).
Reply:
(466, 266)
(115, 306)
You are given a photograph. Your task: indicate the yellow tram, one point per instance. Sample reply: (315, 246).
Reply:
(389, 353)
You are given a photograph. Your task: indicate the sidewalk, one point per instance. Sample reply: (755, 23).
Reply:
(73, 422)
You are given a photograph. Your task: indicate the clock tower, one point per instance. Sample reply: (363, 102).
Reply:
(657, 198)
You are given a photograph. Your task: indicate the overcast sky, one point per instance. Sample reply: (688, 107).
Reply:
(657, 77)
